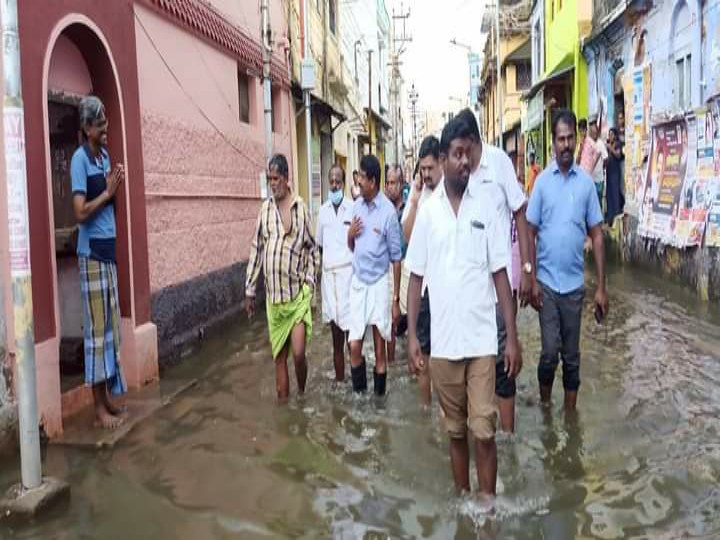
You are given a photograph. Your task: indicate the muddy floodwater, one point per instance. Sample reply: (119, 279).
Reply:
(641, 459)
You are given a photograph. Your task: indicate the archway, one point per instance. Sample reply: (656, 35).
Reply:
(79, 64)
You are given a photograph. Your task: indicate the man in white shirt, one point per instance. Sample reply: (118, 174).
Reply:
(494, 177)
(333, 223)
(457, 222)
(430, 176)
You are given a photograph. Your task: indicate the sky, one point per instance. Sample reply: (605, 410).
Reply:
(438, 68)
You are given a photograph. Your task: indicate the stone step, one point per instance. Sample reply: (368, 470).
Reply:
(79, 429)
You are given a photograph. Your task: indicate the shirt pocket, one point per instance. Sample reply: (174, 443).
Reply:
(475, 244)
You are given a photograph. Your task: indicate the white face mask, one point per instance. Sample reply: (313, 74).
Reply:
(336, 197)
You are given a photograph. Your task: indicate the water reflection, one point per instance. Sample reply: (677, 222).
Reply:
(641, 459)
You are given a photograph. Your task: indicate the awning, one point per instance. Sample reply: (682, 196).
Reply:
(535, 112)
(383, 122)
(522, 53)
(565, 66)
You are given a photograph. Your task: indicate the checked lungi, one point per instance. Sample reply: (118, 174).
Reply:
(101, 324)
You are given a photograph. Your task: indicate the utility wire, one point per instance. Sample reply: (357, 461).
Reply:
(209, 120)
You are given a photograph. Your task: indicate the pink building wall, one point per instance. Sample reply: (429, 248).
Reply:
(202, 167)
(202, 164)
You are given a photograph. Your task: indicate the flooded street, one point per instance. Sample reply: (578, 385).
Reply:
(641, 460)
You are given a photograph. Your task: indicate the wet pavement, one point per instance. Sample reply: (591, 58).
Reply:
(641, 460)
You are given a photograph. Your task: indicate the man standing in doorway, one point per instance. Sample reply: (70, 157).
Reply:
(430, 177)
(563, 210)
(375, 240)
(494, 175)
(333, 224)
(459, 222)
(284, 247)
(94, 188)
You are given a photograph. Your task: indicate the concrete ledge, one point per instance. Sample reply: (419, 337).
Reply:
(26, 503)
(183, 312)
(80, 430)
(696, 267)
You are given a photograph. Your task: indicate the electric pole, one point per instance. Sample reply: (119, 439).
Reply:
(413, 97)
(370, 119)
(34, 491)
(308, 83)
(498, 86)
(266, 33)
(395, 64)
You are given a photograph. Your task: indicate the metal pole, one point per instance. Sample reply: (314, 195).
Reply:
(308, 115)
(370, 121)
(267, 88)
(497, 69)
(16, 177)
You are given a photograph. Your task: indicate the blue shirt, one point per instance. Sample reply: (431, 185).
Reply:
(562, 209)
(96, 238)
(380, 241)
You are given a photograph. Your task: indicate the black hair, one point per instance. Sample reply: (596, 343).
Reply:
(339, 167)
(457, 128)
(615, 132)
(532, 155)
(430, 146)
(582, 124)
(370, 165)
(401, 175)
(565, 116)
(468, 117)
(279, 162)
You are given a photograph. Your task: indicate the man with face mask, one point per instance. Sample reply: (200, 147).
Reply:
(333, 222)
(284, 247)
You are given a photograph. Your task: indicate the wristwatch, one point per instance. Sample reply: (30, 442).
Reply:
(527, 268)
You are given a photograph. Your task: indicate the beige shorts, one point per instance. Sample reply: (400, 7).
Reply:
(466, 392)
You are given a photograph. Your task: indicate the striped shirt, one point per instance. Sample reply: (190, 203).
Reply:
(289, 259)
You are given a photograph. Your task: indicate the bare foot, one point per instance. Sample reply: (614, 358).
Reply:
(106, 420)
(116, 410)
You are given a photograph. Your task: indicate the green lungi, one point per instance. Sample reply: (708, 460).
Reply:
(283, 317)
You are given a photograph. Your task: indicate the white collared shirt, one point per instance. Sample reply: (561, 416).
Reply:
(457, 255)
(495, 177)
(332, 229)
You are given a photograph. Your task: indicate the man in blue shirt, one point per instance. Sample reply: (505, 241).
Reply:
(374, 238)
(94, 187)
(563, 210)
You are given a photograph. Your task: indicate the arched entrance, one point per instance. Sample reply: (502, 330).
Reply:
(79, 64)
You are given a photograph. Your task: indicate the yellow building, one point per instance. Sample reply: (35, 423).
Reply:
(515, 78)
(327, 96)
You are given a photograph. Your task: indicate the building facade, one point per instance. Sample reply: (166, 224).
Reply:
(181, 82)
(654, 75)
(557, 30)
(515, 79)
